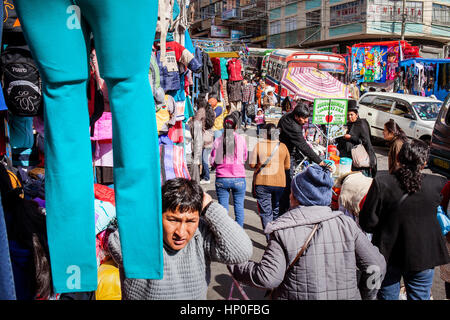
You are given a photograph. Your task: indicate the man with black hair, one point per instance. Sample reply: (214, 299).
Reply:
(196, 231)
(291, 134)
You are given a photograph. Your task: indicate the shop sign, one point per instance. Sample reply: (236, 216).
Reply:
(258, 39)
(346, 13)
(236, 34)
(220, 32)
(229, 14)
(379, 10)
(330, 111)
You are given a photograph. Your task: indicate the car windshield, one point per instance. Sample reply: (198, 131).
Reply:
(427, 110)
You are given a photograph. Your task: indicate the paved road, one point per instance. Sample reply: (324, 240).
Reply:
(221, 283)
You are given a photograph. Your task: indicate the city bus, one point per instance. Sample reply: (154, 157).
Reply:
(281, 59)
(257, 61)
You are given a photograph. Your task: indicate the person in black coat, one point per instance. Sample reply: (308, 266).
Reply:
(358, 132)
(291, 134)
(400, 211)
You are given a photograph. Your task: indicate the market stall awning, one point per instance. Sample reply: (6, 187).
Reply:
(231, 54)
(309, 83)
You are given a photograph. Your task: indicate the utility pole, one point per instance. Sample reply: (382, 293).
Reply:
(403, 19)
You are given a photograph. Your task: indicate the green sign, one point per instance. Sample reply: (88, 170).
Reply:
(330, 111)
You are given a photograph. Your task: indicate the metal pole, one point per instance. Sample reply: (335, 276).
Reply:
(328, 128)
(403, 20)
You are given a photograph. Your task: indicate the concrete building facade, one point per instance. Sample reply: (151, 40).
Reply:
(231, 20)
(332, 25)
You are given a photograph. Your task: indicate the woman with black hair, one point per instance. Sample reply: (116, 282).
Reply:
(395, 137)
(270, 158)
(400, 211)
(204, 118)
(358, 132)
(228, 156)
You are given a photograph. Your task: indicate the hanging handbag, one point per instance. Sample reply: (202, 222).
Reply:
(360, 157)
(257, 171)
(299, 254)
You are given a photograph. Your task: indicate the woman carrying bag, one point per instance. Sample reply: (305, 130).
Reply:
(395, 137)
(228, 156)
(314, 252)
(356, 143)
(270, 159)
(400, 212)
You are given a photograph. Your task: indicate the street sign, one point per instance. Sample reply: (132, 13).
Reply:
(330, 111)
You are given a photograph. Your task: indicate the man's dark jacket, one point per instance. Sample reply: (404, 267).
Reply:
(291, 134)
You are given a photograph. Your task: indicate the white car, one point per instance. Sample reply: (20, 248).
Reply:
(416, 115)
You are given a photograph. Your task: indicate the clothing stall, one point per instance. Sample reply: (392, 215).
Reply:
(424, 77)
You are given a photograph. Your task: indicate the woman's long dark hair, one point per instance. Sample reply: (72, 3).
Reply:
(269, 130)
(412, 158)
(395, 129)
(229, 125)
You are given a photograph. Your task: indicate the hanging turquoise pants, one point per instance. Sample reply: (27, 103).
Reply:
(123, 35)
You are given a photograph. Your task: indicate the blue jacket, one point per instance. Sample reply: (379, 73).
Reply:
(170, 75)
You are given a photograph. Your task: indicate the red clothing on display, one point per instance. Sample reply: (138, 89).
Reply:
(234, 70)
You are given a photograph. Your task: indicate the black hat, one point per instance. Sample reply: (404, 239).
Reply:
(352, 105)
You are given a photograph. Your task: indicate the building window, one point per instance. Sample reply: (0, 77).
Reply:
(441, 14)
(347, 13)
(291, 23)
(275, 27)
(313, 18)
(274, 4)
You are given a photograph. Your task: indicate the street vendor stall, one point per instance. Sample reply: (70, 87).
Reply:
(323, 89)
(375, 63)
(424, 77)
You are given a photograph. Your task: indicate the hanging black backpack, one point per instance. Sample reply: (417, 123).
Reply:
(21, 82)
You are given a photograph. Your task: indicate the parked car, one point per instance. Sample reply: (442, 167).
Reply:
(416, 115)
(439, 161)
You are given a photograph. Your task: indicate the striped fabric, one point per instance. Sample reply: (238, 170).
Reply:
(173, 162)
(309, 83)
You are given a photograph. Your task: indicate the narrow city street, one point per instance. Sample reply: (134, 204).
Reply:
(221, 282)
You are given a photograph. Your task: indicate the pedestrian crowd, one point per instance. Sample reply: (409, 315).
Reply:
(382, 228)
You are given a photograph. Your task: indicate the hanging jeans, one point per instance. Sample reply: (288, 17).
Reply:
(237, 187)
(123, 36)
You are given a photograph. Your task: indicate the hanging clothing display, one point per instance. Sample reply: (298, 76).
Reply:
(69, 175)
(223, 69)
(234, 90)
(166, 115)
(234, 70)
(170, 73)
(207, 68)
(172, 160)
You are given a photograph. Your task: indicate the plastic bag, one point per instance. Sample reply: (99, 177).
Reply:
(444, 220)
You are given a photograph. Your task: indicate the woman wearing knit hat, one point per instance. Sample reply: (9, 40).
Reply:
(326, 268)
